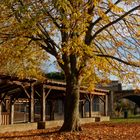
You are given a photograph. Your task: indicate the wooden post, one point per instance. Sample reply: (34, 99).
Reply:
(7, 105)
(90, 105)
(110, 105)
(106, 105)
(43, 105)
(31, 104)
(52, 107)
(82, 108)
(11, 111)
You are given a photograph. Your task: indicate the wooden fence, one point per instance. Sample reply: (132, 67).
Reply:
(5, 118)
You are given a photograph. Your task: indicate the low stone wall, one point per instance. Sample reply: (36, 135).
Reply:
(104, 118)
(18, 127)
(47, 124)
(87, 120)
(54, 123)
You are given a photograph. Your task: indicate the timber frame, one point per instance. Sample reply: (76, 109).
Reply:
(13, 89)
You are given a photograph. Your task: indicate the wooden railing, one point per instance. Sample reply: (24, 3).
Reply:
(5, 118)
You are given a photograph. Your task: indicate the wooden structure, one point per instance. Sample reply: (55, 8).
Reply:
(13, 89)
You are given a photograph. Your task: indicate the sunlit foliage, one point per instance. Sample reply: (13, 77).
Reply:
(100, 34)
(90, 39)
(20, 56)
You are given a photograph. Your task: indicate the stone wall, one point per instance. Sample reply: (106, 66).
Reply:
(47, 124)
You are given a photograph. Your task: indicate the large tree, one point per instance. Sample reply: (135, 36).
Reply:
(90, 39)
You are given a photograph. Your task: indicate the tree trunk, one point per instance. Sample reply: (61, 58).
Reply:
(71, 105)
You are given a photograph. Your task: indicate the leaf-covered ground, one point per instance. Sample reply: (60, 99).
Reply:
(93, 131)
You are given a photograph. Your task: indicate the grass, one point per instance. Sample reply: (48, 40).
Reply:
(130, 119)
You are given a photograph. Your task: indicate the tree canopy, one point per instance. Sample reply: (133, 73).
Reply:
(90, 39)
(22, 61)
(103, 36)
(19, 56)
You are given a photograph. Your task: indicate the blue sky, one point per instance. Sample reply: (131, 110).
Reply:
(50, 66)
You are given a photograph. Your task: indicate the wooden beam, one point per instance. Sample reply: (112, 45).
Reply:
(19, 83)
(101, 98)
(26, 92)
(55, 87)
(86, 97)
(81, 91)
(47, 93)
(55, 82)
(93, 93)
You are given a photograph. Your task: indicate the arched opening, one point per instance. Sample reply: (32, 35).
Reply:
(128, 106)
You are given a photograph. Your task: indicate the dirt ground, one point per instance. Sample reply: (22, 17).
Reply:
(92, 131)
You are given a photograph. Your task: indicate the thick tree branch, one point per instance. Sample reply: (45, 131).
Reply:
(54, 20)
(118, 59)
(55, 54)
(96, 21)
(46, 38)
(105, 51)
(92, 24)
(113, 22)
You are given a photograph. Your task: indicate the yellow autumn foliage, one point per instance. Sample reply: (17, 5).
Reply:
(96, 38)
